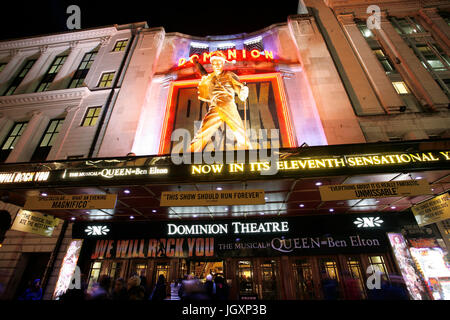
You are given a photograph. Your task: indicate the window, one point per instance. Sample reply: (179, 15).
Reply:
(120, 45)
(400, 87)
(198, 48)
(255, 43)
(11, 139)
(364, 30)
(431, 58)
(47, 141)
(407, 25)
(18, 79)
(83, 69)
(2, 66)
(51, 73)
(91, 117)
(106, 80)
(384, 60)
(94, 273)
(378, 262)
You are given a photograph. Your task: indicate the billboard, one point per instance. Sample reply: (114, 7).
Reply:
(264, 113)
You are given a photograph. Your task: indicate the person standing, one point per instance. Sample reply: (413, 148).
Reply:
(159, 292)
(33, 292)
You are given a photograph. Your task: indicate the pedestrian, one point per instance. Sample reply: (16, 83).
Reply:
(352, 288)
(101, 289)
(222, 289)
(330, 287)
(33, 292)
(159, 292)
(76, 294)
(134, 289)
(119, 290)
(209, 286)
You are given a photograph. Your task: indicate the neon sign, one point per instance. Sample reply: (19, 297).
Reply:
(232, 55)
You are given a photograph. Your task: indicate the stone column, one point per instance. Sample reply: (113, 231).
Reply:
(353, 77)
(69, 67)
(413, 72)
(372, 66)
(5, 126)
(30, 81)
(338, 118)
(13, 66)
(439, 28)
(56, 151)
(27, 143)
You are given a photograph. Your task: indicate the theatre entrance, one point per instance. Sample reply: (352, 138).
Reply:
(257, 278)
(315, 277)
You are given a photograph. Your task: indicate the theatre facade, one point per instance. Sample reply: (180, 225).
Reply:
(345, 174)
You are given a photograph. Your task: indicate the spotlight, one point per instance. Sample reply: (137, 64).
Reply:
(331, 210)
(44, 194)
(318, 183)
(131, 217)
(219, 188)
(301, 205)
(126, 191)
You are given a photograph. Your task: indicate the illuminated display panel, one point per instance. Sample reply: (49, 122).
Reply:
(68, 268)
(409, 271)
(266, 109)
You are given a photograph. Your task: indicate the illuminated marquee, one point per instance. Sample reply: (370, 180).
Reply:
(20, 177)
(231, 54)
(324, 163)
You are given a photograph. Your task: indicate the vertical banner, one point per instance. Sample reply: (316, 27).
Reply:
(68, 272)
(408, 268)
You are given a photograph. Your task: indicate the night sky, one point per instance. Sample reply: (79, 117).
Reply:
(198, 18)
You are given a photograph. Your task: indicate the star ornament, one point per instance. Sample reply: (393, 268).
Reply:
(369, 222)
(96, 230)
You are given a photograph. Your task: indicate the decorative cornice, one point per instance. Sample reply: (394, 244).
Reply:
(72, 109)
(58, 38)
(42, 97)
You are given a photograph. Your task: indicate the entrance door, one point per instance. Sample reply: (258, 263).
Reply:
(269, 279)
(31, 266)
(306, 282)
(245, 279)
(330, 278)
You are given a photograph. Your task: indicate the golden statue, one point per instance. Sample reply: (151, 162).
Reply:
(218, 89)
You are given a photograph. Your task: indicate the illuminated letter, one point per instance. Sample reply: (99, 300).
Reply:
(194, 55)
(244, 54)
(269, 54)
(231, 54)
(206, 56)
(196, 169)
(255, 53)
(181, 62)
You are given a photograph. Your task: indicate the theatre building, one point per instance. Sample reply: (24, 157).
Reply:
(346, 170)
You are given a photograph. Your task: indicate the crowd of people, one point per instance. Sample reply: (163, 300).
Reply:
(188, 289)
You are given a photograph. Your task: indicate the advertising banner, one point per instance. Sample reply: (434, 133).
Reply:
(374, 190)
(80, 201)
(433, 210)
(35, 222)
(212, 198)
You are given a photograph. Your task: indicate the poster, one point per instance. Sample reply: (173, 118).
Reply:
(414, 283)
(212, 198)
(79, 201)
(433, 210)
(374, 190)
(35, 222)
(265, 108)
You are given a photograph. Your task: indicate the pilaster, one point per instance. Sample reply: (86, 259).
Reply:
(27, 143)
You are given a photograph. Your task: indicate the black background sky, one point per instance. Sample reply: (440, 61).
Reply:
(199, 18)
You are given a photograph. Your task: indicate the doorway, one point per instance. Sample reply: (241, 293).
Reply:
(31, 266)
(258, 278)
